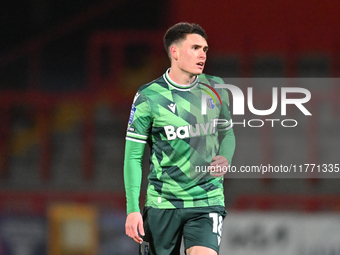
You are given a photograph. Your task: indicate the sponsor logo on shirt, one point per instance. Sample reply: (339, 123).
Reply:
(191, 131)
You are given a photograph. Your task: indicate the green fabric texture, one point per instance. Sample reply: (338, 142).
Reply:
(183, 140)
(133, 174)
(227, 145)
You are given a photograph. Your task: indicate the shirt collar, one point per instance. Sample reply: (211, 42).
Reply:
(179, 86)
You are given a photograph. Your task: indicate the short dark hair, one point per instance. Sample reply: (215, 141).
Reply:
(179, 32)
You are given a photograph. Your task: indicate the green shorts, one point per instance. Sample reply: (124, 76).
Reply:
(164, 229)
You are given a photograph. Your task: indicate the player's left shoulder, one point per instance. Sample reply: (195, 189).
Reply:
(213, 81)
(210, 79)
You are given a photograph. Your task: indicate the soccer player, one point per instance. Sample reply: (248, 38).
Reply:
(185, 120)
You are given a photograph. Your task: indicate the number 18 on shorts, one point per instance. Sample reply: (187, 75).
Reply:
(199, 226)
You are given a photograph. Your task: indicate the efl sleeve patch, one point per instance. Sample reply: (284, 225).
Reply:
(132, 114)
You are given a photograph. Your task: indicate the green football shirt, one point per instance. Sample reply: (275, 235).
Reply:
(185, 127)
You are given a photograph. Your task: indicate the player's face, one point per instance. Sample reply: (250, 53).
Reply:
(192, 54)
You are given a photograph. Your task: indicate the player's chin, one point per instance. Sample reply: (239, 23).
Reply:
(198, 71)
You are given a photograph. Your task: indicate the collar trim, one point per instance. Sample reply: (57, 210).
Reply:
(179, 86)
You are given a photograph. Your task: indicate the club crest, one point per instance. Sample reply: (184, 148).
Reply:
(210, 103)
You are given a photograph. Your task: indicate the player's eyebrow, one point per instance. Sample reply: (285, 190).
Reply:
(205, 47)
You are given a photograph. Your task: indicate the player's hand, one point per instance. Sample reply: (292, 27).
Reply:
(222, 163)
(133, 224)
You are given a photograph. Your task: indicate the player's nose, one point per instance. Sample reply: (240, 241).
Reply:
(202, 55)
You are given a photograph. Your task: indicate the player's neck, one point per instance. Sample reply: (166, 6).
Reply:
(181, 77)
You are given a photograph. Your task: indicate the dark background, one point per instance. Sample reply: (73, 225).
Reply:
(69, 71)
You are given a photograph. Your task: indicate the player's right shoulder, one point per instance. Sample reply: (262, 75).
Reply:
(152, 87)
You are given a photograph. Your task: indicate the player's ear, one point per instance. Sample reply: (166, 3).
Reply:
(174, 52)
